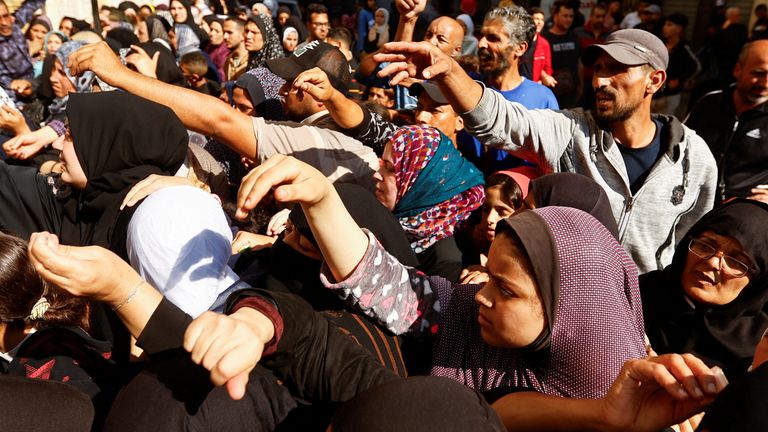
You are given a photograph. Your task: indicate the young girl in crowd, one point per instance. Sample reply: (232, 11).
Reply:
(35, 36)
(504, 195)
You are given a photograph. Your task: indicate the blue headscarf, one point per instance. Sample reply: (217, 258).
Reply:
(444, 173)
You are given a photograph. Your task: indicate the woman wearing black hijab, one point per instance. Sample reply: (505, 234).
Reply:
(115, 140)
(712, 301)
(572, 190)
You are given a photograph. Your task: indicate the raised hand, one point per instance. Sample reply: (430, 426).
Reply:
(143, 63)
(315, 83)
(292, 180)
(98, 58)
(152, 183)
(410, 9)
(13, 120)
(420, 60)
(653, 393)
(80, 270)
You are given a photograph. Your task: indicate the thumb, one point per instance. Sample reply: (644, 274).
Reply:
(156, 59)
(236, 385)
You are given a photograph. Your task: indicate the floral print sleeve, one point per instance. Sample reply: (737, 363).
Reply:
(374, 131)
(402, 299)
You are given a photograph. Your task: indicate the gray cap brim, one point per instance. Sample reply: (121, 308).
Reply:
(433, 91)
(622, 53)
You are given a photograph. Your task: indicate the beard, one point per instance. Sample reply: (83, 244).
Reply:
(618, 112)
(500, 62)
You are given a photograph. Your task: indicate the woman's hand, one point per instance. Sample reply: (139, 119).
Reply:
(152, 183)
(247, 241)
(143, 63)
(653, 393)
(27, 145)
(277, 222)
(12, 120)
(80, 270)
(229, 346)
(474, 274)
(291, 179)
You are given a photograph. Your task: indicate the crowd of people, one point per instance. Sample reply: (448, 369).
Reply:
(382, 215)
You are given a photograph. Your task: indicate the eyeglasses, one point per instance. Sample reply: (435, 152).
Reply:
(706, 251)
(320, 24)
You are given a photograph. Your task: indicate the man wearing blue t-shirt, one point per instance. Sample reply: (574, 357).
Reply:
(506, 35)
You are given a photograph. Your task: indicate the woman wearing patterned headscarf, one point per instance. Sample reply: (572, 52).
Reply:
(261, 41)
(257, 94)
(431, 189)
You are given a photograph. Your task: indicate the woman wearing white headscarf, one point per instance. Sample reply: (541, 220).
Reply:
(378, 32)
(290, 40)
(180, 242)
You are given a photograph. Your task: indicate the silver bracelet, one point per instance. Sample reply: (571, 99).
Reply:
(130, 296)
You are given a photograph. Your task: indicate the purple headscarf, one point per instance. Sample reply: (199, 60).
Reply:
(591, 298)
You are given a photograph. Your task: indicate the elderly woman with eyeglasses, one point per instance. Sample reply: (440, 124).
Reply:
(712, 300)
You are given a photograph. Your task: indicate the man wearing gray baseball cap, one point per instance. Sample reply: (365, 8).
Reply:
(660, 177)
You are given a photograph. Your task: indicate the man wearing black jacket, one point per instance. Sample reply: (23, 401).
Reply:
(734, 123)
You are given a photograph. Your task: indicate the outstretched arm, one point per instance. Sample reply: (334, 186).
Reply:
(228, 346)
(341, 241)
(423, 60)
(201, 113)
(648, 395)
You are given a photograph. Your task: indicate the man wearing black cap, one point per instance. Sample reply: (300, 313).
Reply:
(310, 55)
(312, 137)
(660, 177)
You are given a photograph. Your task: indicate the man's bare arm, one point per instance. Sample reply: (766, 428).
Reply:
(201, 113)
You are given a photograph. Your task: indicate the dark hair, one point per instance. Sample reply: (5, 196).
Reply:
(240, 23)
(470, 63)
(21, 287)
(341, 34)
(679, 19)
(510, 190)
(195, 62)
(210, 19)
(34, 22)
(315, 8)
(562, 4)
(536, 10)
